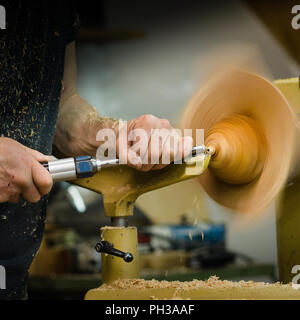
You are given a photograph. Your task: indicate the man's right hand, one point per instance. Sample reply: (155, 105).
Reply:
(21, 173)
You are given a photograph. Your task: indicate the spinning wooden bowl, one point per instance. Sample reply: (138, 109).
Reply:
(253, 130)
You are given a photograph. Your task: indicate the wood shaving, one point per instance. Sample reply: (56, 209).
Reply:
(213, 282)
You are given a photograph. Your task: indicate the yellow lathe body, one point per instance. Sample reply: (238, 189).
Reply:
(125, 239)
(122, 185)
(288, 204)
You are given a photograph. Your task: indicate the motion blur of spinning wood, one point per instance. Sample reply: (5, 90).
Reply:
(253, 130)
(239, 146)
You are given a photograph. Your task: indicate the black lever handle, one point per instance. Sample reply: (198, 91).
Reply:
(107, 247)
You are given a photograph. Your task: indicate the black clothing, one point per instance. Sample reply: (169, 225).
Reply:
(32, 49)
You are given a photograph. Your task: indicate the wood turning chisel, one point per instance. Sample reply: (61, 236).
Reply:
(73, 168)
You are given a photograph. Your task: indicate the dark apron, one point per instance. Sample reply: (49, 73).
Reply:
(32, 51)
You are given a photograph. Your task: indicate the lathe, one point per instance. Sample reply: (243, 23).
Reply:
(251, 138)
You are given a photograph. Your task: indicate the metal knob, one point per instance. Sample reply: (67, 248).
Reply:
(107, 247)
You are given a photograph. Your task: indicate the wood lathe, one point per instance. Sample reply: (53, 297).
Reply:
(120, 186)
(252, 133)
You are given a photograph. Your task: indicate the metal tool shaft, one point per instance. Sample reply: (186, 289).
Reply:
(85, 166)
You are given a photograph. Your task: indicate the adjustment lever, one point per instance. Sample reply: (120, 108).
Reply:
(108, 247)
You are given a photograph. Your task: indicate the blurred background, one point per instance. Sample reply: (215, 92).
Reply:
(138, 57)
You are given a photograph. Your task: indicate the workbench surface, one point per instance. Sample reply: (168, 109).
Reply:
(75, 286)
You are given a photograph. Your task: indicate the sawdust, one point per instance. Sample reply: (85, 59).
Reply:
(173, 298)
(114, 228)
(213, 282)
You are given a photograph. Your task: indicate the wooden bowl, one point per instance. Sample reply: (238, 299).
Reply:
(241, 93)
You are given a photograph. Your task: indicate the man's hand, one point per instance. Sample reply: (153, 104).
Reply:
(78, 124)
(21, 173)
(156, 152)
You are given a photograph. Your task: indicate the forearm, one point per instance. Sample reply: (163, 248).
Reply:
(77, 126)
(78, 122)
